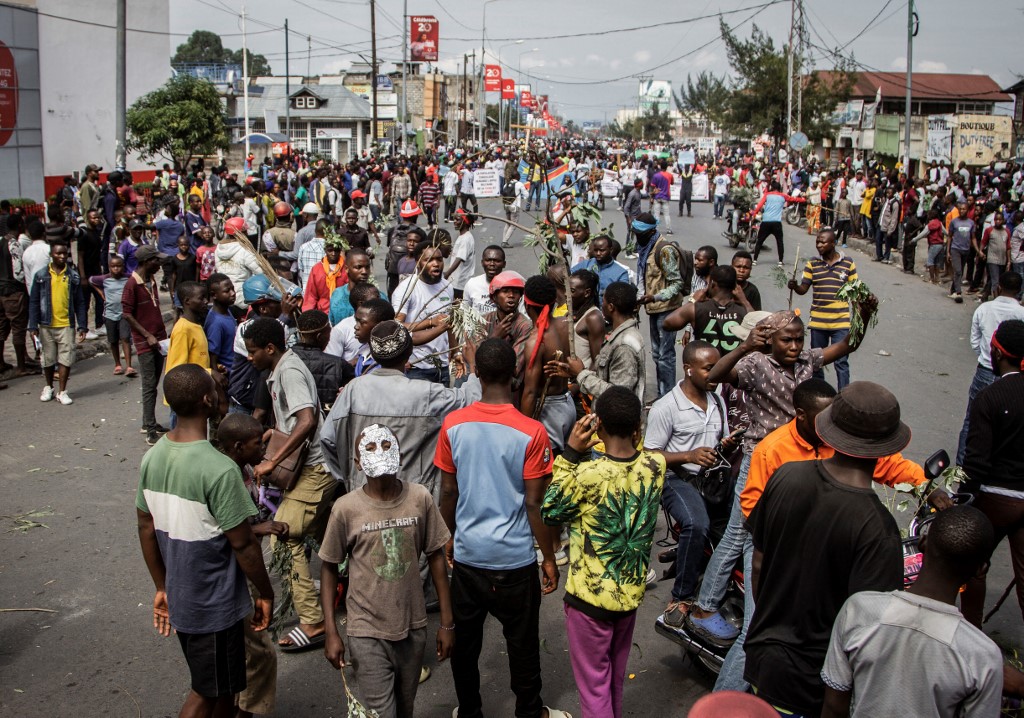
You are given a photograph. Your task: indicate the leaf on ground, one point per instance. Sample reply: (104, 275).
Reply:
(638, 649)
(544, 645)
(38, 468)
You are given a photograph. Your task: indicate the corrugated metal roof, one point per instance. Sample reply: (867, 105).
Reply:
(927, 86)
(339, 103)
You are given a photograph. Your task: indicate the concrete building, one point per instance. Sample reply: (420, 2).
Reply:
(57, 86)
(326, 117)
(954, 118)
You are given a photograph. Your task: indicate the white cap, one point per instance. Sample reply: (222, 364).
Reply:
(310, 208)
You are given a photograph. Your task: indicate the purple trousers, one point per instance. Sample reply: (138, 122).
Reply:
(599, 651)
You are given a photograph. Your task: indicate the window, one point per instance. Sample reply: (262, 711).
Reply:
(305, 102)
(300, 102)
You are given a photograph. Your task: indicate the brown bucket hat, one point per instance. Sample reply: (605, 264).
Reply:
(864, 421)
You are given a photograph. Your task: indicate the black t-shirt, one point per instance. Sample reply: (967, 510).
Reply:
(753, 295)
(90, 245)
(716, 323)
(822, 542)
(184, 269)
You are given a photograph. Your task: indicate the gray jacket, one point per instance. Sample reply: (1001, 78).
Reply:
(621, 362)
(633, 205)
(412, 408)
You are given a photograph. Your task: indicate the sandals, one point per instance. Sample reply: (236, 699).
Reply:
(118, 371)
(131, 372)
(714, 628)
(301, 642)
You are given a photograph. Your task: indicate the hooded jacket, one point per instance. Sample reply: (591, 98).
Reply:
(238, 263)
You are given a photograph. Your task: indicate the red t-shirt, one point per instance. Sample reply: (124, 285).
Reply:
(144, 304)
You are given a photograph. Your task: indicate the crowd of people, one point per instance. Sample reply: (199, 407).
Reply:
(454, 439)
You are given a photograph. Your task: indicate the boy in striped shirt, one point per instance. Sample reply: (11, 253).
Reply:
(830, 317)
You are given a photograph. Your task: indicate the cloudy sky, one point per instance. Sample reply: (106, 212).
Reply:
(590, 69)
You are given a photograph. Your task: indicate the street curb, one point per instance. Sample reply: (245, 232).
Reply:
(89, 348)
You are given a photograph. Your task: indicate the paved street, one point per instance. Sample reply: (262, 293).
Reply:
(97, 653)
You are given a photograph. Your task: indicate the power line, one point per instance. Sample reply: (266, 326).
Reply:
(616, 31)
(455, 19)
(139, 31)
(694, 51)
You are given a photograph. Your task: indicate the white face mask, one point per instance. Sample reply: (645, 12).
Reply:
(375, 459)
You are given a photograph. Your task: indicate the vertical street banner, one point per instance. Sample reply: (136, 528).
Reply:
(508, 88)
(423, 38)
(492, 78)
(542, 105)
(526, 99)
(940, 138)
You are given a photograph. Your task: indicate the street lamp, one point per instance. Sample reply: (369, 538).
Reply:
(481, 92)
(519, 72)
(501, 101)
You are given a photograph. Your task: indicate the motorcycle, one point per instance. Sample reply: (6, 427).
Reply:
(710, 652)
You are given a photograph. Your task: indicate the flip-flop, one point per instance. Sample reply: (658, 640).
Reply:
(131, 372)
(302, 642)
(555, 713)
(118, 371)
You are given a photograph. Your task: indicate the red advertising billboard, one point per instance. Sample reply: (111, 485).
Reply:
(542, 104)
(8, 94)
(526, 99)
(492, 78)
(508, 88)
(423, 36)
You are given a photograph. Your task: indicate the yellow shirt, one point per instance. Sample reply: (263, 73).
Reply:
(59, 293)
(560, 311)
(188, 346)
(869, 194)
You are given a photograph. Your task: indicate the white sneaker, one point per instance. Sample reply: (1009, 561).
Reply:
(102, 331)
(47, 394)
(64, 398)
(91, 335)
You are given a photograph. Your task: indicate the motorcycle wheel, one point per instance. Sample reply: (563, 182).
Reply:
(751, 240)
(732, 239)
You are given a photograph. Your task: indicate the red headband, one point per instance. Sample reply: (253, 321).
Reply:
(1001, 348)
(542, 326)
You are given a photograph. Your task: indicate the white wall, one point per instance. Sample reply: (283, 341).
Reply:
(77, 69)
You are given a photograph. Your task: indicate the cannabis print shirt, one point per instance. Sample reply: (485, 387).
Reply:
(611, 508)
(383, 541)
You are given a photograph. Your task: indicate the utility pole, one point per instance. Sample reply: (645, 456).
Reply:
(405, 49)
(373, 71)
(911, 31)
(287, 86)
(120, 89)
(462, 110)
(309, 55)
(802, 38)
(245, 86)
(789, 72)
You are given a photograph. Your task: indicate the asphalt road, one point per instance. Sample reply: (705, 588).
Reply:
(76, 467)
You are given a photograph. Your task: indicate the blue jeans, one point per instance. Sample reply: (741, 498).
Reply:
(719, 568)
(731, 676)
(534, 192)
(663, 352)
(686, 506)
(867, 226)
(821, 338)
(430, 373)
(983, 378)
(719, 205)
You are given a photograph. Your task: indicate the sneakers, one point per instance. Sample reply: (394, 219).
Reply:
(47, 394)
(425, 673)
(631, 255)
(102, 331)
(781, 264)
(158, 428)
(561, 557)
(675, 613)
(652, 577)
(152, 437)
(91, 335)
(64, 398)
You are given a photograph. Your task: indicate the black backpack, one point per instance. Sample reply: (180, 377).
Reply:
(508, 194)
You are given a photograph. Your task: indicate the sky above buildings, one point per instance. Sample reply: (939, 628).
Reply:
(582, 55)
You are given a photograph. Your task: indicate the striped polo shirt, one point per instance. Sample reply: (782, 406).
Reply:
(826, 279)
